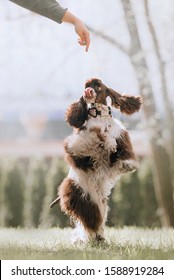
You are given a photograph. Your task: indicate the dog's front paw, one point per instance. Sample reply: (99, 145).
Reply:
(128, 166)
(113, 149)
(111, 145)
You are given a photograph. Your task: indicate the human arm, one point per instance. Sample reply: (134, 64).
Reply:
(47, 8)
(52, 10)
(80, 28)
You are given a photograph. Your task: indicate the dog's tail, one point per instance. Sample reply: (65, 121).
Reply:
(54, 202)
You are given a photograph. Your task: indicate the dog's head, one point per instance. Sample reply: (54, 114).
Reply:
(97, 92)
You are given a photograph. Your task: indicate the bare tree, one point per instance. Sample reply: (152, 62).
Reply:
(164, 90)
(161, 159)
(155, 125)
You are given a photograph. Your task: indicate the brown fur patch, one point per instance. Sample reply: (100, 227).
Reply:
(126, 103)
(77, 113)
(124, 149)
(129, 104)
(97, 130)
(77, 204)
(82, 162)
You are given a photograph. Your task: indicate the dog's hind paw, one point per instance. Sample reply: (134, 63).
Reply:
(99, 238)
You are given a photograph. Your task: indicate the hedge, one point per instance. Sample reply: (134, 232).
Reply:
(27, 186)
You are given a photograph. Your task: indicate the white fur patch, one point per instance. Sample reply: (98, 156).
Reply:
(97, 141)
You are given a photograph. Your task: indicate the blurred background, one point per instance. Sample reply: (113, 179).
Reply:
(43, 70)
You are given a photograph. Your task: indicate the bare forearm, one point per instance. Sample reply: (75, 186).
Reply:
(70, 18)
(80, 28)
(52, 10)
(47, 8)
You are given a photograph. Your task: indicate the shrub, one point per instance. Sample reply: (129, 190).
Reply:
(11, 189)
(133, 200)
(27, 187)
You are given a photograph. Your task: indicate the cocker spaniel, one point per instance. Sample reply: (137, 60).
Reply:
(98, 151)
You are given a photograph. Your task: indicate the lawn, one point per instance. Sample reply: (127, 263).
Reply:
(126, 243)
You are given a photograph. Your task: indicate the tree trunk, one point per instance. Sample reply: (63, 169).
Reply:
(169, 126)
(161, 160)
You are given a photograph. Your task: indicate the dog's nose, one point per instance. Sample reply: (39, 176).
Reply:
(88, 92)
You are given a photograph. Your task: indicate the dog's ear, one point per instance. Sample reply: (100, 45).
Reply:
(77, 113)
(127, 104)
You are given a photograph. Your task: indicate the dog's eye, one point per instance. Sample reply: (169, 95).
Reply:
(98, 88)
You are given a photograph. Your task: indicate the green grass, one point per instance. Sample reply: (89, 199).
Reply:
(126, 243)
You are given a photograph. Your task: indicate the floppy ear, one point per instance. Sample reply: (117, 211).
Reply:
(77, 113)
(126, 103)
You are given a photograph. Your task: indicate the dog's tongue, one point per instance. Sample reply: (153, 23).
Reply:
(88, 92)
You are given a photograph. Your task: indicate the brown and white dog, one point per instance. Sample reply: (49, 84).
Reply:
(98, 151)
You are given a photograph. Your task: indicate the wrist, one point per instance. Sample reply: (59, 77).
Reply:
(70, 18)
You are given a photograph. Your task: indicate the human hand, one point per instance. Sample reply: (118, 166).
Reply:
(83, 33)
(80, 28)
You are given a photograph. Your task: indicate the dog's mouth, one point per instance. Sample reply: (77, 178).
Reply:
(89, 95)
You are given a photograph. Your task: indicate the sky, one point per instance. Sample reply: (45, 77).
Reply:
(42, 67)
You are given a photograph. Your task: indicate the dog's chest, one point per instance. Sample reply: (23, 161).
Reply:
(107, 125)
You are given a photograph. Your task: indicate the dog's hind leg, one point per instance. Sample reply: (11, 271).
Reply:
(78, 205)
(104, 211)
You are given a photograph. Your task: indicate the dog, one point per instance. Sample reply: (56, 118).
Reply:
(98, 152)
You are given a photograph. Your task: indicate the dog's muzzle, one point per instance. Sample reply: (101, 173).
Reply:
(89, 95)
